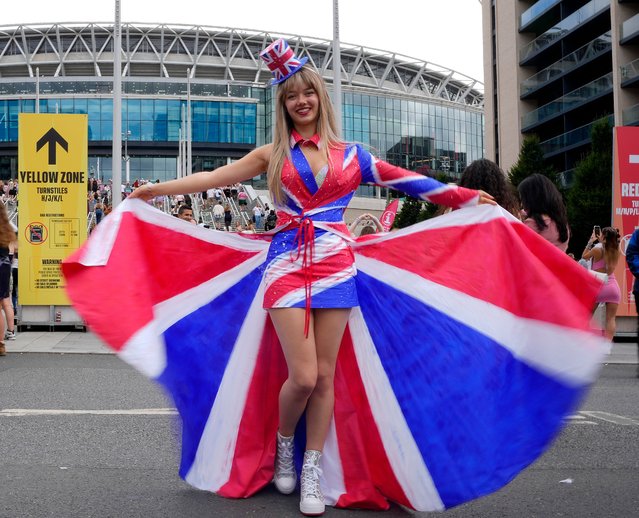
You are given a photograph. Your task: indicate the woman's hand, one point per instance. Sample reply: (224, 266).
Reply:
(591, 241)
(484, 197)
(145, 192)
(587, 253)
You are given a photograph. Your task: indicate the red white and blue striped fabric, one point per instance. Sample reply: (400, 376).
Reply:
(312, 230)
(281, 60)
(470, 346)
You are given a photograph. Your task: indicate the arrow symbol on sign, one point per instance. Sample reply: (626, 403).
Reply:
(52, 137)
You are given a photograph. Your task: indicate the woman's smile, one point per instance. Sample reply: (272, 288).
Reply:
(302, 105)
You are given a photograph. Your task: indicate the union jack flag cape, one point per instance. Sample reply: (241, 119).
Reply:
(470, 346)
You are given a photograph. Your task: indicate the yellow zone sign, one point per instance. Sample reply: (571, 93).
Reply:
(52, 200)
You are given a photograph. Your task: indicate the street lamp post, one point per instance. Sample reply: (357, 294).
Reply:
(37, 103)
(127, 158)
(337, 68)
(189, 137)
(116, 153)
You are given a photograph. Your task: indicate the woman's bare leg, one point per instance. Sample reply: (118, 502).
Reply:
(301, 360)
(611, 323)
(7, 306)
(329, 328)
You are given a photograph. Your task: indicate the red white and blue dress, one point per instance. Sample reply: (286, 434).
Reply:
(310, 261)
(453, 374)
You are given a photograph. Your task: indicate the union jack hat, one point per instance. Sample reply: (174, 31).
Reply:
(281, 60)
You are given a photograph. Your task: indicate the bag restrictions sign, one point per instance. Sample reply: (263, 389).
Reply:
(52, 201)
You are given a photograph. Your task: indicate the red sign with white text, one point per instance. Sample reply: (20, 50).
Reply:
(388, 217)
(625, 206)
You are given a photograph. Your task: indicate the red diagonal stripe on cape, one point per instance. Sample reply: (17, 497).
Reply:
(368, 476)
(254, 459)
(480, 267)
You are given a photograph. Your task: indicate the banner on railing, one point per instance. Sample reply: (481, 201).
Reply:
(52, 201)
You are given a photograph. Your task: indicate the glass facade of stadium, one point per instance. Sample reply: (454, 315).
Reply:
(231, 117)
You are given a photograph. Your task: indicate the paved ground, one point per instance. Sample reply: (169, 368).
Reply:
(65, 342)
(85, 436)
(57, 342)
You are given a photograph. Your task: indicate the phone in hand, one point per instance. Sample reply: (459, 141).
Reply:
(597, 230)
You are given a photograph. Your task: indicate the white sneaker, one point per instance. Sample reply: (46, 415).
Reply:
(311, 498)
(285, 476)
(10, 335)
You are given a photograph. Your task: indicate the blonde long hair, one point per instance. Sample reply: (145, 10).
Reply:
(326, 127)
(7, 234)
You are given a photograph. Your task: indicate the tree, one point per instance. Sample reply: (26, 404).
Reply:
(531, 160)
(413, 211)
(409, 213)
(589, 201)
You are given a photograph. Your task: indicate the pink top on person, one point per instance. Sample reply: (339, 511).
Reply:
(550, 233)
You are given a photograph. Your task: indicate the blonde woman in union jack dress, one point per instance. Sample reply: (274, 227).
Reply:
(311, 176)
(398, 429)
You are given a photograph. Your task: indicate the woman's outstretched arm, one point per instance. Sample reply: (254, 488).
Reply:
(251, 165)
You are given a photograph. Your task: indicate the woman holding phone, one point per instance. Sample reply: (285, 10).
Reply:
(605, 256)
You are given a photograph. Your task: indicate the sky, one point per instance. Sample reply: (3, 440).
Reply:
(447, 33)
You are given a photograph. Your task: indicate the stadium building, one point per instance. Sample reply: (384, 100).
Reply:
(410, 112)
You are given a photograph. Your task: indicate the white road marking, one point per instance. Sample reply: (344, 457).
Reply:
(578, 419)
(23, 412)
(611, 418)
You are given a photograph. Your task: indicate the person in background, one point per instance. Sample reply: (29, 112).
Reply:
(218, 216)
(14, 278)
(486, 175)
(257, 216)
(228, 217)
(242, 200)
(369, 223)
(544, 210)
(185, 212)
(7, 247)
(271, 220)
(605, 256)
(250, 228)
(99, 210)
(632, 260)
